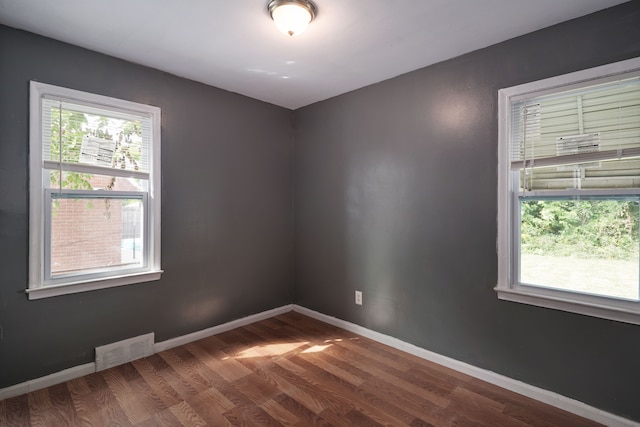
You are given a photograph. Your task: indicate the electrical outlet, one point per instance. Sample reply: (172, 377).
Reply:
(359, 297)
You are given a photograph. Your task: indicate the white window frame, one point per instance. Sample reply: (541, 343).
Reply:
(40, 284)
(508, 287)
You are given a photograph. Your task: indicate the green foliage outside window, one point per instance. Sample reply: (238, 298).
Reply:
(580, 228)
(68, 125)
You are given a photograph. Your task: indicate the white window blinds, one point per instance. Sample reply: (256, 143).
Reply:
(581, 138)
(86, 139)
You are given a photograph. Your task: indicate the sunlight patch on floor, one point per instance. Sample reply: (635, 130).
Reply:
(269, 350)
(317, 348)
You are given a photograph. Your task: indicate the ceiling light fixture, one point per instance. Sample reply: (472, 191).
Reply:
(292, 16)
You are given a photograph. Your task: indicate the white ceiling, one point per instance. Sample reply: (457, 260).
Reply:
(234, 45)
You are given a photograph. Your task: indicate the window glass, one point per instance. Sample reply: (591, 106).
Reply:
(79, 134)
(588, 246)
(92, 234)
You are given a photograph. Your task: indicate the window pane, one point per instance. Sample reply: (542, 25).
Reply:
(88, 136)
(89, 234)
(588, 246)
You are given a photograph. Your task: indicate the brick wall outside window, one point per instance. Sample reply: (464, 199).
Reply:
(88, 233)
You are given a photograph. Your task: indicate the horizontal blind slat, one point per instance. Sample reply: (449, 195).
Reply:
(576, 158)
(80, 168)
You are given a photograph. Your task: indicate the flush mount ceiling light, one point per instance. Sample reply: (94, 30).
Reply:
(292, 16)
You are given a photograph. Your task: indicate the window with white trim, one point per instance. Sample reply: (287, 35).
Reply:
(94, 215)
(569, 192)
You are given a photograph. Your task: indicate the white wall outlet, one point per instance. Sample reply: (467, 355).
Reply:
(359, 297)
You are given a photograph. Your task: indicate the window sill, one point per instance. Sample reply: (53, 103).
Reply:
(625, 311)
(72, 288)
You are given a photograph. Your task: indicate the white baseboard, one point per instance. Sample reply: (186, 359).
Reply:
(90, 368)
(194, 336)
(541, 395)
(48, 380)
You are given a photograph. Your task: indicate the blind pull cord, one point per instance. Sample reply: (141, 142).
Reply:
(60, 148)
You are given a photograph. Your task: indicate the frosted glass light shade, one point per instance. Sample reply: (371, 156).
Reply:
(292, 17)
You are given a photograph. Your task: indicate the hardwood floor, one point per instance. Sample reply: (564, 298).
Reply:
(289, 370)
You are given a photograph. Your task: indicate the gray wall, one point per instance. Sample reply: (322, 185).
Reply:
(226, 211)
(395, 195)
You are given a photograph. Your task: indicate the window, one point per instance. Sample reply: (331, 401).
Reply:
(569, 192)
(94, 215)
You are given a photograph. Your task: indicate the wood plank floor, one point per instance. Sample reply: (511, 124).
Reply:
(289, 370)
